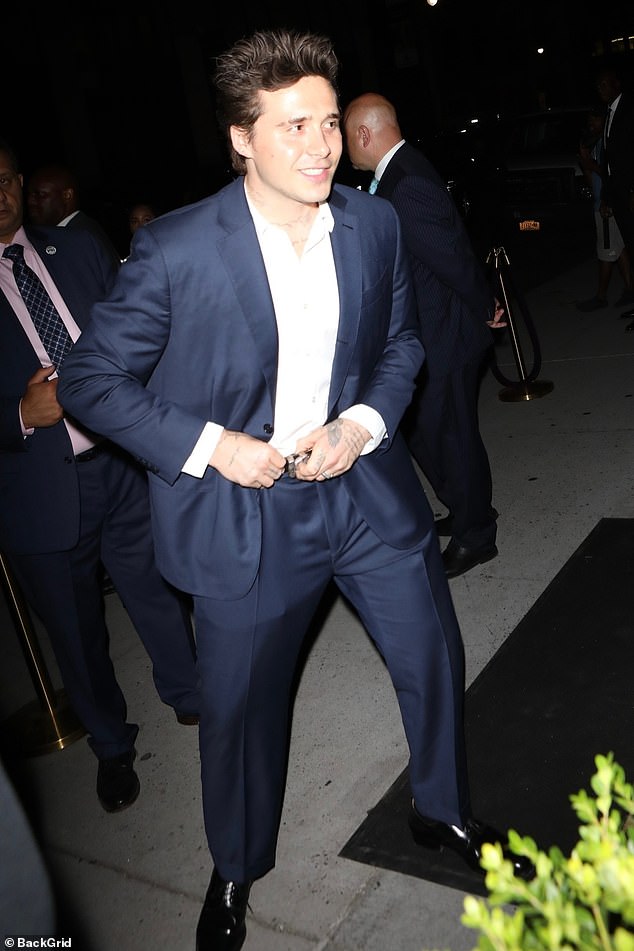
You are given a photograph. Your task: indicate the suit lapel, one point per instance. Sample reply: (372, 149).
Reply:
(346, 246)
(240, 252)
(55, 254)
(14, 338)
(242, 258)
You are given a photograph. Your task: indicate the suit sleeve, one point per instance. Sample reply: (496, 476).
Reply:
(392, 381)
(103, 380)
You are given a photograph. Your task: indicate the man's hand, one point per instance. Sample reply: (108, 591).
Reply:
(498, 320)
(247, 461)
(39, 406)
(334, 448)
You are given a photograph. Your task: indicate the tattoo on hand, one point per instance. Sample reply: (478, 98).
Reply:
(334, 431)
(236, 437)
(351, 435)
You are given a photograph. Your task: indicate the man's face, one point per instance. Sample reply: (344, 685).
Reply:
(45, 201)
(295, 146)
(139, 216)
(10, 200)
(608, 87)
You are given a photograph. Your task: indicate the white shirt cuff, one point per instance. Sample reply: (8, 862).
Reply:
(370, 420)
(196, 464)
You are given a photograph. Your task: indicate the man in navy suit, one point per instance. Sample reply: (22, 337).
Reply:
(70, 501)
(454, 304)
(257, 353)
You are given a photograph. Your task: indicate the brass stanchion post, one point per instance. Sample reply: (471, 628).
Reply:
(47, 723)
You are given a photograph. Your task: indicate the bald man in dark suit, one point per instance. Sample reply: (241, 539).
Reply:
(455, 304)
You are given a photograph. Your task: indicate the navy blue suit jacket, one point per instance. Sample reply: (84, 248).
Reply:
(453, 296)
(189, 335)
(82, 221)
(39, 508)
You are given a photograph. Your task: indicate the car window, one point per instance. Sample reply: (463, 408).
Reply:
(548, 133)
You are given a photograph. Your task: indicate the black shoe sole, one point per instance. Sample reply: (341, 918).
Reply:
(233, 944)
(187, 719)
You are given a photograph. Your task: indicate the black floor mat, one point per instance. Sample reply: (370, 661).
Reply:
(558, 691)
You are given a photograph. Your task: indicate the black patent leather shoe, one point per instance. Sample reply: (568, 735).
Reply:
(117, 784)
(222, 926)
(187, 719)
(458, 559)
(629, 328)
(466, 842)
(627, 314)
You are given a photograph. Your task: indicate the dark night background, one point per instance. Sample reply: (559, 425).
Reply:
(122, 92)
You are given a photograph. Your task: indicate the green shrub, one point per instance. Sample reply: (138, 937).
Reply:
(584, 901)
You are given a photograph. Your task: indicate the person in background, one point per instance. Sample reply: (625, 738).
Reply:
(70, 500)
(456, 308)
(258, 351)
(609, 241)
(53, 200)
(140, 214)
(617, 195)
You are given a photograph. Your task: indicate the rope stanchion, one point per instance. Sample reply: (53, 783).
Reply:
(527, 387)
(48, 723)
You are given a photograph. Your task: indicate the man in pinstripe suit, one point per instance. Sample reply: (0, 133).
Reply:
(455, 304)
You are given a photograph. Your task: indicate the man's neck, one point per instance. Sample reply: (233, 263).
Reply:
(382, 164)
(293, 217)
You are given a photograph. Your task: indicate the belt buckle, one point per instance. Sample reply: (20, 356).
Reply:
(293, 461)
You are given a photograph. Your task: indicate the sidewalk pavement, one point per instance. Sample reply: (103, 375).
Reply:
(137, 879)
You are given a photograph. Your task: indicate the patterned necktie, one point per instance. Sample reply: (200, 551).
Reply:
(373, 186)
(47, 321)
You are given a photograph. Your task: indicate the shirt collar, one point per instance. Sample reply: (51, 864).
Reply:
(64, 221)
(386, 158)
(18, 238)
(262, 225)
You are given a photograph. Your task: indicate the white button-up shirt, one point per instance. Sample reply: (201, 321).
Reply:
(306, 301)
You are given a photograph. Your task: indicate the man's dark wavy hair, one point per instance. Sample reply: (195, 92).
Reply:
(268, 60)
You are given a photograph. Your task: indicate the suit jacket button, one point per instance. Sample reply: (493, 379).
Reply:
(68, 460)
(268, 429)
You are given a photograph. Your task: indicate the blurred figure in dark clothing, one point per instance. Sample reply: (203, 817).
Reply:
(609, 241)
(52, 199)
(618, 159)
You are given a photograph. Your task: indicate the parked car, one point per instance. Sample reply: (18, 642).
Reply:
(542, 185)
(512, 177)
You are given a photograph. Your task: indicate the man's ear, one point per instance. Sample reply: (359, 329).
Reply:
(364, 135)
(240, 140)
